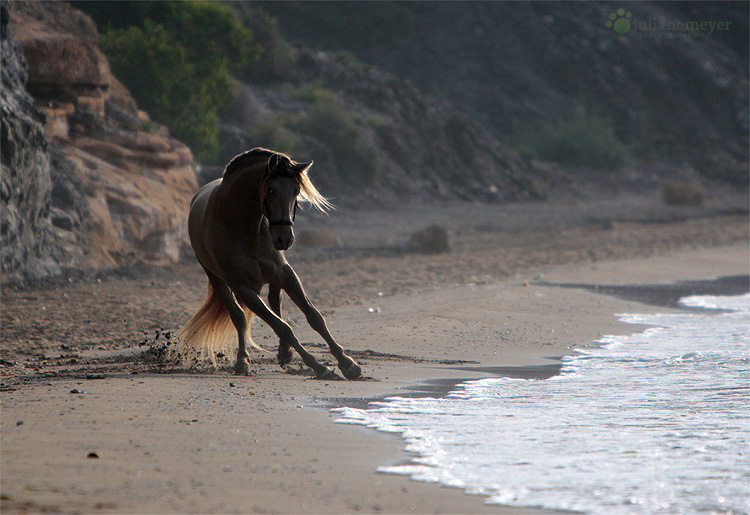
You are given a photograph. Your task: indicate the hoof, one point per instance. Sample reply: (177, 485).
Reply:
(327, 373)
(284, 355)
(242, 368)
(351, 372)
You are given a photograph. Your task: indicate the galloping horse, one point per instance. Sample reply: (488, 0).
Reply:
(239, 227)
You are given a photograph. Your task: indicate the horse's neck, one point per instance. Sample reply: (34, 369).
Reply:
(238, 199)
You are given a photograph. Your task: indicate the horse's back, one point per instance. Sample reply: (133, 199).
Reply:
(198, 207)
(205, 191)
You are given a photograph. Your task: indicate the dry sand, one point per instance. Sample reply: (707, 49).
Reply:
(137, 441)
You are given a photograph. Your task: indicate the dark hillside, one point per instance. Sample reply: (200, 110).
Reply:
(373, 136)
(676, 96)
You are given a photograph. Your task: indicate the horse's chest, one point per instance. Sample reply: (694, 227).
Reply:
(270, 269)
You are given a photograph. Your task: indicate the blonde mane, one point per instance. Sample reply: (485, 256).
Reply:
(309, 193)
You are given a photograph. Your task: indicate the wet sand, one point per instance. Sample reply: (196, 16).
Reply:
(141, 442)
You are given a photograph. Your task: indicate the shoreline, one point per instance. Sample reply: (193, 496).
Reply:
(671, 336)
(218, 443)
(653, 296)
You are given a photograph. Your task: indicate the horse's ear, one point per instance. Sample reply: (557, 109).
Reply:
(303, 167)
(273, 162)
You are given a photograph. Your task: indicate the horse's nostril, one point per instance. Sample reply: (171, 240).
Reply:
(282, 243)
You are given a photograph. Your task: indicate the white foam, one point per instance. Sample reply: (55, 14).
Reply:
(657, 422)
(737, 303)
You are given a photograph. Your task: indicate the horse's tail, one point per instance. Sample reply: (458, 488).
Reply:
(210, 333)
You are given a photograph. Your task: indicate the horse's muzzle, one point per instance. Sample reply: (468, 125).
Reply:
(282, 236)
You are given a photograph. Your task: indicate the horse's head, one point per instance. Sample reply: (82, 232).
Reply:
(276, 183)
(280, 206)
(286, 181)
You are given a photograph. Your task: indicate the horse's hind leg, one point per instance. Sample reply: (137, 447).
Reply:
(274, 301)
(237, 314)
(293, 288)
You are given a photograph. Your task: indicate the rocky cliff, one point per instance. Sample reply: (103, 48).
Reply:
(29, 246)
(117, 186)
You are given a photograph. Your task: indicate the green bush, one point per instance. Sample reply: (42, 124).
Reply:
(278, 59)
(355, 26)
(583, 140)
(312, 92)
(176, 59)
(274, 133)
(349, 134)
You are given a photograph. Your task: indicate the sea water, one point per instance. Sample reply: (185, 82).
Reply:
(655, 422)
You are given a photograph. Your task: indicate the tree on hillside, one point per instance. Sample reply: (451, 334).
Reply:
(176, 58)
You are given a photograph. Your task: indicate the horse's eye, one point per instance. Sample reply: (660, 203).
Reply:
(271, 192)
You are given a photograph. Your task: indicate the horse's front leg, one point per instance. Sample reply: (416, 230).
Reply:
(293, 288)
(286, 336)
(274, 300)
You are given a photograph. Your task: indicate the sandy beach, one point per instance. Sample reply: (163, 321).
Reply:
(88, 425)
(496, 183)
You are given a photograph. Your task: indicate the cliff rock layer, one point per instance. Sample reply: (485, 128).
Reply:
(28, 241)
(120, 186)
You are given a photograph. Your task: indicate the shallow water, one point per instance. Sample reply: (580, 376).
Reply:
(656, 422)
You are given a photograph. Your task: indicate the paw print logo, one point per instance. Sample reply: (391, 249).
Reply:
(618, 21)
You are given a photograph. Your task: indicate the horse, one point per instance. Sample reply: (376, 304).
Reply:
(239, 227)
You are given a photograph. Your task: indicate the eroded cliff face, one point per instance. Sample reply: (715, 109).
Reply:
(28, 244)
(119, 186)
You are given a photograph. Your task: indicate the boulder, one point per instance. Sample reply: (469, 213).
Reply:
(59, 44)
(678, 193)
(431, 240)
